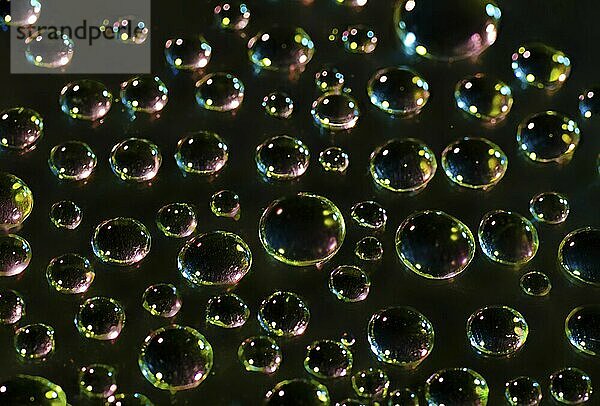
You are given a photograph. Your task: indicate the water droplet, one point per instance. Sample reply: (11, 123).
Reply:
(232, 15)
(189, 53)
(162, 300)
(523, 391)
(66, 214)
(128, 399)
(484, 97)
(282, 158)
(301, 230)
(72, 160)
(578, 255)
(27, 389)
(425, 29)
(359, 39)
(70, 274)
(349, 283)
(85, 100)
(334, 159)
(284, 314)
(202, 153)
(335, 111)
(403, 397)
(475, 163)
(582, 328)
(403, 165)
(570, 386)
(347, 339)
(435, 245)
(135, 160)
(260, 354)
(227, 310)
(129, 30)
(97, 380)
(15, 254)
(34, 341)
(369, 214)
(12, 306)
(20, 128)
(175, 358)
(278, 105)
(219, 91)
(589, 102)
(400, 336)
(507, 238)
(549, 207)
(369, 249)
(498, 331)
(49, 48)
(121, 241)
(398, 90)
(456, 386)
(176, 220)
(281, 48)
(535, 283)
(541, 66)
(304, 392)
(225, 203)
(548, 136)
(146, 94)
(20, 13)
(371, 383)
(329, 78)
(328, 359)
(100, 318)
(16, 201)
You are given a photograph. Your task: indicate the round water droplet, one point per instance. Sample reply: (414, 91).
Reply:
(548, 136)
(589, 102)
(535, 283)
(456, 386)
(20, 128)
(202, 153)
(135, 160)
(369, 249)
(131, 29)
(72, 160)
(369, 214)
(145, 94)
(329, 78)
(484, 97)
(189, 53)
(260, 354)
(371, 383)
(70, 274)
(129, 399)
(49, 48)
(403, 397)
(281, 48)
(232, 15)
(175, 358)
(305, 392)
(549, 207)
(403, 165)
(219, 91)
(579, 255)
(284, 314)
(400, 336)
(303, 229)
(334, 159)
(400, 91)
(425, 29)
(100, 318)
(34, 390)
(121, 241)
(66, 214)
(349, 283)
(435, 245)
(97, 380)
(582, 328)
(570, 386)
(282, 158)
(162, 300)
(335, 111)
(278, 105)
(225, 203)
(15, 254)
(16, 201)
(12, 306)
(541, 66)
(328, 359)
(20, 13)
(34, 341)
(507, 238)
(498, 331)
(176, 220)
(475, 163)
(85, 100)
(359, 39)
(523, 391)
(227, 310)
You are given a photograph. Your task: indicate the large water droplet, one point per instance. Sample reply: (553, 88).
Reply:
(85, 100)
(582, 328)
(34, 341)
(549, 207)
(282, 157)
(219, 91)
(48, 48)
(349, 283)
(399, 91)
(100, 318)
(12, 306)
(498, 331)
(579, 255)
(328, 359)
(523, 391)
(146, 94)
(162, 300)
(20, 128)
(456, 386)
(541, 66)
(15, 254)
(548, 136)
(284, 314)
(281, 48)
(305, 392)
(70, 274)
(189, 53)
(335, 111)
(484, 97)
(16, 201)
(121, 241)
(203, 153)
(176, 220)
(66, 214)
(570, 386)
(27, 389)
(72, 160)
(227, 310)
(260, 354)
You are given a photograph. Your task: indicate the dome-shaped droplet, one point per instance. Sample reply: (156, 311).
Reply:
(70, 274)
(369, 249)
(278, 105)
(369, 214)
(570, 386)
(403, 397)
(334, 159)
(435, 245)
(548, 136)
(498, 331)
(162, 300)
(589, 102)
(335, 111)
(20, 13)
(260, 354)
(85, 100)
(371, 383)
(475, 163)
(582, 328)
(225, 203)
(12, 306)
(484, 97)
(176, 220)
(456, 386)
(219, 91)
(202, 153)
(97, 380)
(403, 165)
(305, 392)
(49, 48)
(188, 53)
(232, 15)
(349, 283)
(579, 255)
(72, 160)
(15, 254)
(16, 201)
(121, 241)
(398, 90)
(34, 341)
(329, 78)
(284, 314)
(302, 229)
(281, 48)
(425, 28)
(227, 310)
(523, 391)
(135, 160)
(535, 283)
(328, 359)
(541, 66)
(359, 39)
(282, 158)
(507, 238)
(100, 318)
(20, 128)
(146, 94)
(34, 390)
(175, 358)
(66, 214)
(549, 207)
(400, 336)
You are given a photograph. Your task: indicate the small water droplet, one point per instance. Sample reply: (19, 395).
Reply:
(334, 159)
(456, 386)
(284, 314)
(541, 66)
(335, 111)
(498, 331)
(66, 214)
(85, 100)
(484, 97)
(371, 383)
(176, 220)
(582, 328)
(34, 341)
(15, 254)
(219, 91)
(202, 153)
(570, 386)
(278, 105)
(523, 391)
(48, 48)
(282, 158)
(400, 91)
(549, 207)
(225, 203)
(349, 283)
(232, 15)
(535, 283)
(162, 300)
(97, 381)
(227, 310)
(72, 160)
(146, 94)
(548, 136)
(578, 255)
(121, 241)
(70, 274)
(281, 48)
(188, 53)
(12, 306)
(20, 128)
(328, 359)
(100, 318)
(260, 354)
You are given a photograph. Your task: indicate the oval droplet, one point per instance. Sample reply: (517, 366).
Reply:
(497, 331)
(281, 48)
(15, 254)
(100, 318)
(570, 386)
(541, 66)
(85, 100)
(282, 158)
(162, 300)
(349, 283)
(484, 97)
(456, 386)
(121, 241)
(335, 111)
(548, 137)
(202, 153)
(188, 53)
(227, 310)
(284, 314)
(260, 354)
(70, 274)
(145, 94)
(398, 90)
(72, 160)
(219, 91)
(177, 220)
(549, 207)
(20, 128)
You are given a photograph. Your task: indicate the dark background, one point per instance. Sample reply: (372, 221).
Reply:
(569, 26)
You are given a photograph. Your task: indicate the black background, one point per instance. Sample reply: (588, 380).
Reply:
(567, 25)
